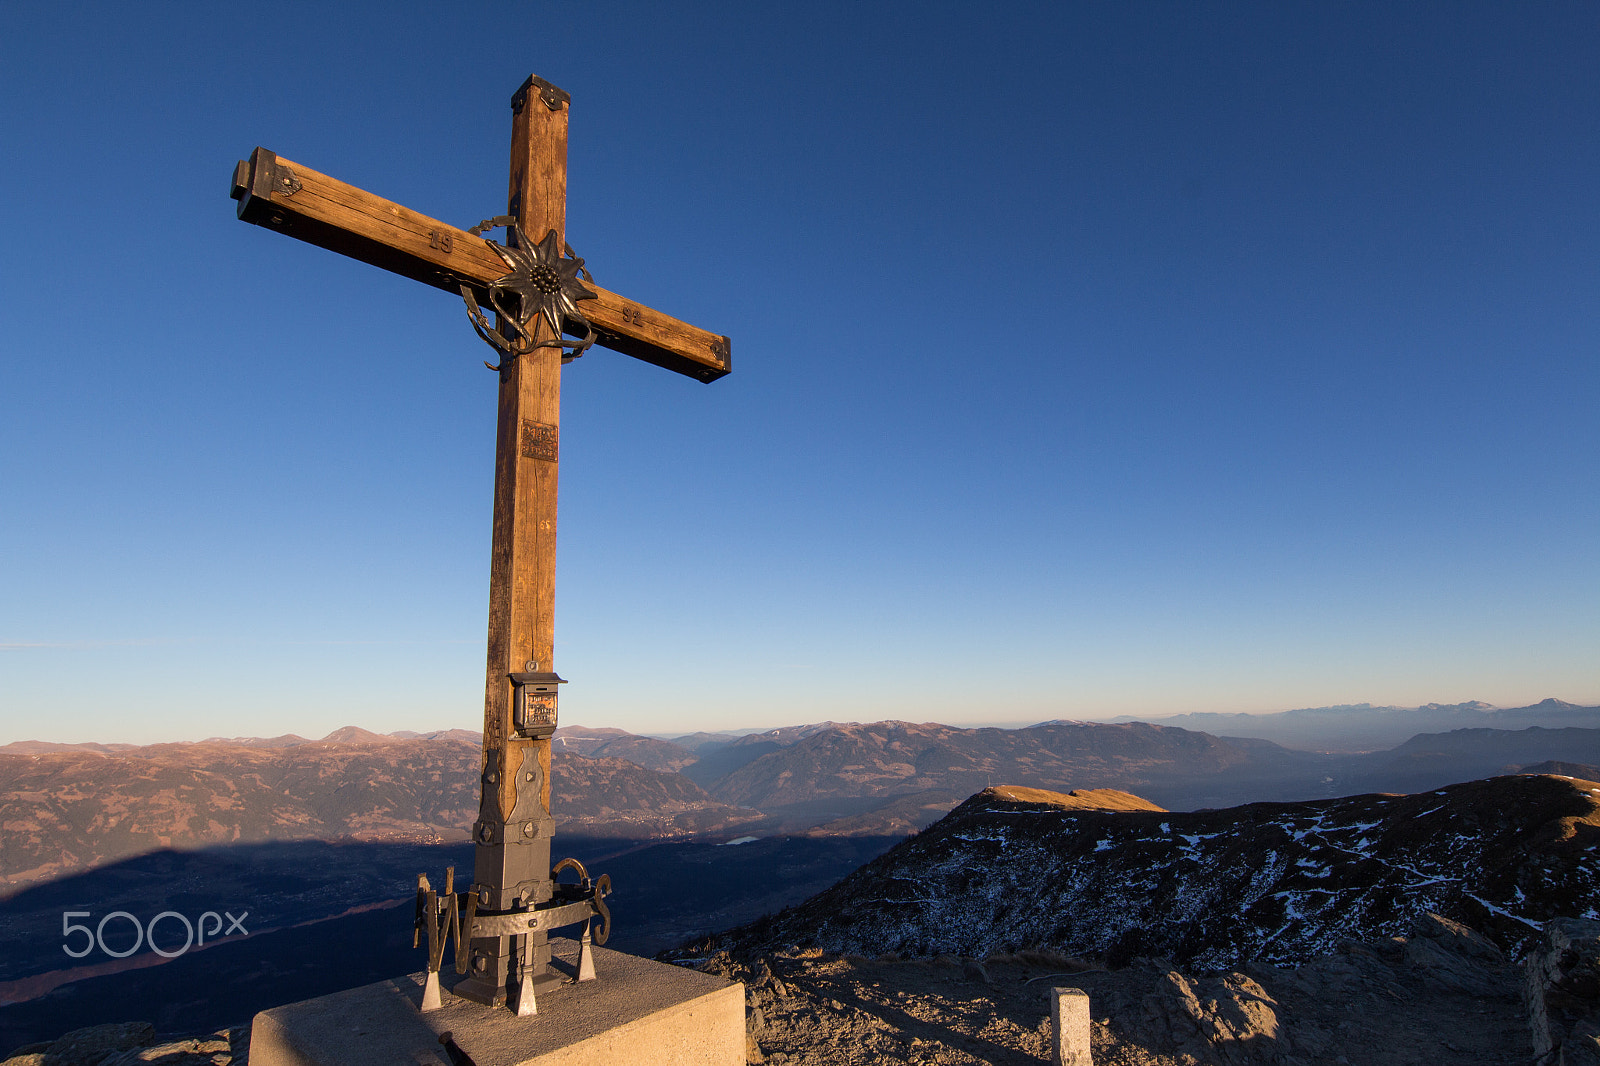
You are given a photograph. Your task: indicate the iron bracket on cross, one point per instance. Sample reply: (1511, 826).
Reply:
(450, 914)
(296, 200)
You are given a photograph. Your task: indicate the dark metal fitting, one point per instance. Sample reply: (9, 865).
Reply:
(517, 833)
(262, 175)
(552, 96)
(542, 286)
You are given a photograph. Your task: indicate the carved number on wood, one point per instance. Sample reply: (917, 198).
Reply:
(633, 316)
(538, 441)
(441, 241)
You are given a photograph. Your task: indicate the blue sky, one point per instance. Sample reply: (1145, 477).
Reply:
(1089, 360)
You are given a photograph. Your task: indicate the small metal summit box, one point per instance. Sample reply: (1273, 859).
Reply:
(533, 703)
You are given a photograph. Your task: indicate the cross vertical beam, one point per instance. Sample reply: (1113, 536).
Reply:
(512, 890)
(512, 865)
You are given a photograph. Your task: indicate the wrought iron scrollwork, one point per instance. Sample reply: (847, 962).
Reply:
(543, 280)
(593, 889)
(442, 916)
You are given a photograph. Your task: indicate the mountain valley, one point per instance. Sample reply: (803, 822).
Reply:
(317, 838)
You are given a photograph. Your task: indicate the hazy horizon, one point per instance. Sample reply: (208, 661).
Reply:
(747, 730)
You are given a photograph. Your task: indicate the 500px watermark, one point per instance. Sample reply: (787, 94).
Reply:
(96, 937)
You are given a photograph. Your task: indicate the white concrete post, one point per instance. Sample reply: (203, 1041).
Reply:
(1069, 1017)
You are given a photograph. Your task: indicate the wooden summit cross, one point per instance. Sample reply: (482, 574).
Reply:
(512, 867)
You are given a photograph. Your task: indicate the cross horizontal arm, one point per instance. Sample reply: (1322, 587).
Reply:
(298, 201)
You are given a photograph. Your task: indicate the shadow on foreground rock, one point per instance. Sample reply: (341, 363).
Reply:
(135, 1044)
(1561, 984)
(1443, 994)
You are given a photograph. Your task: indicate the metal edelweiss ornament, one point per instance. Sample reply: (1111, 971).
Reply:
(543, 283)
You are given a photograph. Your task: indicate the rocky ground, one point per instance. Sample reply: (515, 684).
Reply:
(1444, 994)
(136, 1044)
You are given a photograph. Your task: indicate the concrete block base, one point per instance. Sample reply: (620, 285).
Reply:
(637, 1011)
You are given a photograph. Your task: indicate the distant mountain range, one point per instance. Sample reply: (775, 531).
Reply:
(71, 806)
(1273, 882)
(649, 752)
(851, 770)
(888, 778)
(1363, 727)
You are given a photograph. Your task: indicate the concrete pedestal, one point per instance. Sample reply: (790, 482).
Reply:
(637, 1011)
(1069, 1017)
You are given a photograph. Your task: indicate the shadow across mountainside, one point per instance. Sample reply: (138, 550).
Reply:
(73, 807)
(278, 884)
(320, 917)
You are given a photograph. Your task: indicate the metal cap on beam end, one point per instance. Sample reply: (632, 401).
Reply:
(722, 349)
(252, 182)
(257, 180)
(263, 168)
(553, 96)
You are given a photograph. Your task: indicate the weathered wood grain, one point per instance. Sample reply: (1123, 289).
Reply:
(513, 871)
(512, 858)
(338, 216)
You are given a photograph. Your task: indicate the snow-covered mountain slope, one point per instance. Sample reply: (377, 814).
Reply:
(1277, 882)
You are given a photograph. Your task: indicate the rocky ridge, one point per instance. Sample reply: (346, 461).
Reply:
(1266, 882)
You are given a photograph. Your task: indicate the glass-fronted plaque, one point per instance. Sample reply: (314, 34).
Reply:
(534, 710)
